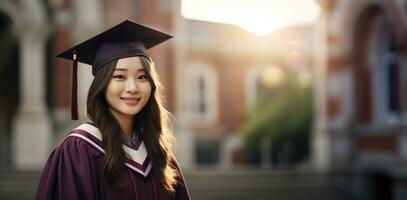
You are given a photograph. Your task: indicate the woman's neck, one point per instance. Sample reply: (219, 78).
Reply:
(127, 127)
(126, 124)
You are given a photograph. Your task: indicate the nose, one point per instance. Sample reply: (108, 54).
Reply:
(132, 86)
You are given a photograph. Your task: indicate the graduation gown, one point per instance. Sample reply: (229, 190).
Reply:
(73, 171)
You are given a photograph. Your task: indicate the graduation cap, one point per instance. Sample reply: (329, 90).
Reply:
(123, 40)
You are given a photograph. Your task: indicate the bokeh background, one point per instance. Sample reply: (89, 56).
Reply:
(272, 99)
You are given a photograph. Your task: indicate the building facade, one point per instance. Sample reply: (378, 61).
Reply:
(361, 90)
(211, 73)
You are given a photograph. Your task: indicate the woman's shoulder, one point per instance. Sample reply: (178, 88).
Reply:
(79, 141)
(70, 168)
(75, 145)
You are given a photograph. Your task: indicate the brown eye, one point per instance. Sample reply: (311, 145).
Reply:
(143, 77)
(119, 77)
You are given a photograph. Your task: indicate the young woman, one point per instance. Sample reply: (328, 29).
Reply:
(124, 152)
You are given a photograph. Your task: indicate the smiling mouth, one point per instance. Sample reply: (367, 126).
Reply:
(131, 101)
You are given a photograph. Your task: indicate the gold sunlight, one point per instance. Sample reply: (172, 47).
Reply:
(260, 17)
(272, 77)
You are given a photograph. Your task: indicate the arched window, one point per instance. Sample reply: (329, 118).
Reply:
(202, 103)
(384, 65)
(376, 70)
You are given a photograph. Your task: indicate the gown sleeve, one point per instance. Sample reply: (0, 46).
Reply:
(69, 172)
(181, 189)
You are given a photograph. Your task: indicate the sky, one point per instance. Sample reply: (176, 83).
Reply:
(260, 17)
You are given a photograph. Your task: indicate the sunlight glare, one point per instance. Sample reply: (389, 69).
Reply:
(257, 16)
(273, 76)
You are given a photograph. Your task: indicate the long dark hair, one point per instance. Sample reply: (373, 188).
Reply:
(153, 121)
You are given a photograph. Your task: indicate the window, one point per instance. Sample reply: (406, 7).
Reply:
(207, 152)
(201, 99)
(385, 68)
(392, 83)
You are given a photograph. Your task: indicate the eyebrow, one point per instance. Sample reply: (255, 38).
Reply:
(125, 69)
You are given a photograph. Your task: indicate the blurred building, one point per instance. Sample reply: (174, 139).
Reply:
(34, 108)
(224, 66)
(361, 98)
(211, 73)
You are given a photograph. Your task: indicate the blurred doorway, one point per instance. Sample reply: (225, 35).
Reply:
(9, 86)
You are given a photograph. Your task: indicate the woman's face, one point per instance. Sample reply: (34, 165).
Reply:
(129, 89)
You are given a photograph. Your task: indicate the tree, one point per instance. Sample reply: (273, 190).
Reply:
(286, 115)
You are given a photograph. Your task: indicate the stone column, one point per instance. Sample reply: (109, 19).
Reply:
(320, 142)
(32, 126)
(89, 21)
(185, 149)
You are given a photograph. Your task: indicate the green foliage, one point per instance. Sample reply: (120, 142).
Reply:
(286, 116)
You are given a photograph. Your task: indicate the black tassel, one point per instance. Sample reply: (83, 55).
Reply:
(74, 91)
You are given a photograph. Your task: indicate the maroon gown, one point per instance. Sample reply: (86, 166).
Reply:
(73, 171)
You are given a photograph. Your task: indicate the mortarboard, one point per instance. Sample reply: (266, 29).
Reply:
(125, 39)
